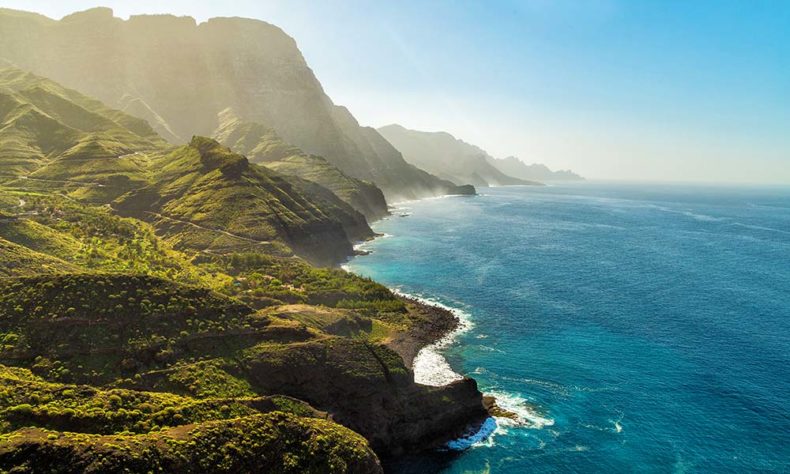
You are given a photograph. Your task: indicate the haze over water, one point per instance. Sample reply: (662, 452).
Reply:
(646, 325)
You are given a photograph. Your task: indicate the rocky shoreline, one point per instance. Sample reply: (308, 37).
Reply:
(434, 324)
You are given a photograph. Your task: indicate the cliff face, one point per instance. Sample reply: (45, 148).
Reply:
(179, 75)
(448, 157)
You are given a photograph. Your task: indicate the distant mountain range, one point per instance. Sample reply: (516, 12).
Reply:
(180, 75)
(517, 168)
(451, 158)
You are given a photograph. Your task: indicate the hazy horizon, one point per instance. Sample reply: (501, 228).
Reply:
(613, 90)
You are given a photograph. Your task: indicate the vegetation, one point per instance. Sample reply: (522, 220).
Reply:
(262, 145)
(154, 316)
(273, 442)
(211, 199)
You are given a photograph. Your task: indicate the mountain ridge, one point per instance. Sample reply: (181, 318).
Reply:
(518, 168)
(262, 145)
(180, 74)
(448, 157)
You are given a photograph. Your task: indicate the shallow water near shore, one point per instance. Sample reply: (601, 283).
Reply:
(632, 327)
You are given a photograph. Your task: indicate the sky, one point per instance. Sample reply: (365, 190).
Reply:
(664, 90)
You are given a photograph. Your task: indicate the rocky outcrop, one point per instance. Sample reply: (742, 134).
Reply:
(367, 388)
(179, 75)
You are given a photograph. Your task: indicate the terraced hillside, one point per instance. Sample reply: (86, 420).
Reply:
(147, 334)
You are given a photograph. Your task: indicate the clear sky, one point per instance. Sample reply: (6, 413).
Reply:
(690, 90)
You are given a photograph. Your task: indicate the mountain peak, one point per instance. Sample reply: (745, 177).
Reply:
(97, 13)
(213, 156)
(192, 72)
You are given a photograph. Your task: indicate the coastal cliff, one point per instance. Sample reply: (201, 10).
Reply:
(179, 75)
(448, 157)
(177, 306)
(298, 351)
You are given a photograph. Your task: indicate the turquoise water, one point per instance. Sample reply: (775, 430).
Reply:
(633, 327)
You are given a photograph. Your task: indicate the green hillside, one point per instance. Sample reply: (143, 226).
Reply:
(58, 137)
(161, 311)
(42, 424)
(201, 197)
(207, 198)
(262, 145)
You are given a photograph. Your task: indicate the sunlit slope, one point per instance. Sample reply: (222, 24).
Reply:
(209, 198)
(55, 139)
(262, 145)
(179, 75)
(60, 138)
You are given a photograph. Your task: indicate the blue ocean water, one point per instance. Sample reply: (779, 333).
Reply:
(637, 328)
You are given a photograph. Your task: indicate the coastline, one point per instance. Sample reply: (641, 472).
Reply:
(438, 325)
(422, 347)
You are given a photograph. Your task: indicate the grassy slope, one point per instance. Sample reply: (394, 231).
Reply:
(273, 442)
(51, 133)
(53, 138)
(191, 304)
(262, 145)
(206, 185)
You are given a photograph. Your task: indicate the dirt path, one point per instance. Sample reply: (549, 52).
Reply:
(198, 226)
(80, 183)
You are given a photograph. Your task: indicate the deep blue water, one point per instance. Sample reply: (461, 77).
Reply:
(647, 325)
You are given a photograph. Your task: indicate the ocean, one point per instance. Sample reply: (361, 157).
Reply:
(632, 327)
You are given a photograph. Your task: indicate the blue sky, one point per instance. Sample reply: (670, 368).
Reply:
(690, 90)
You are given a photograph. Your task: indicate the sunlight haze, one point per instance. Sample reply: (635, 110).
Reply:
(664, 91)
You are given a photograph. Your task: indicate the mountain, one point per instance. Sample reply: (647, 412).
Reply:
(54, 135)
(515, 167)
(179, 75)
(261, 144)
(124, 333)
(201, 195)
(448, 157)
(208, 198)
(159, 305)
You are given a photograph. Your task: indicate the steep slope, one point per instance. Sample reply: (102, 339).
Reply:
(53, 135)
(54, 138)
(22, 261)
(208, 198)
(179, 75)
(262, 145)
(444, 155)
(515, 167)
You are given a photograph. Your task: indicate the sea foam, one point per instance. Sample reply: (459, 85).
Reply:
(429, 366)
